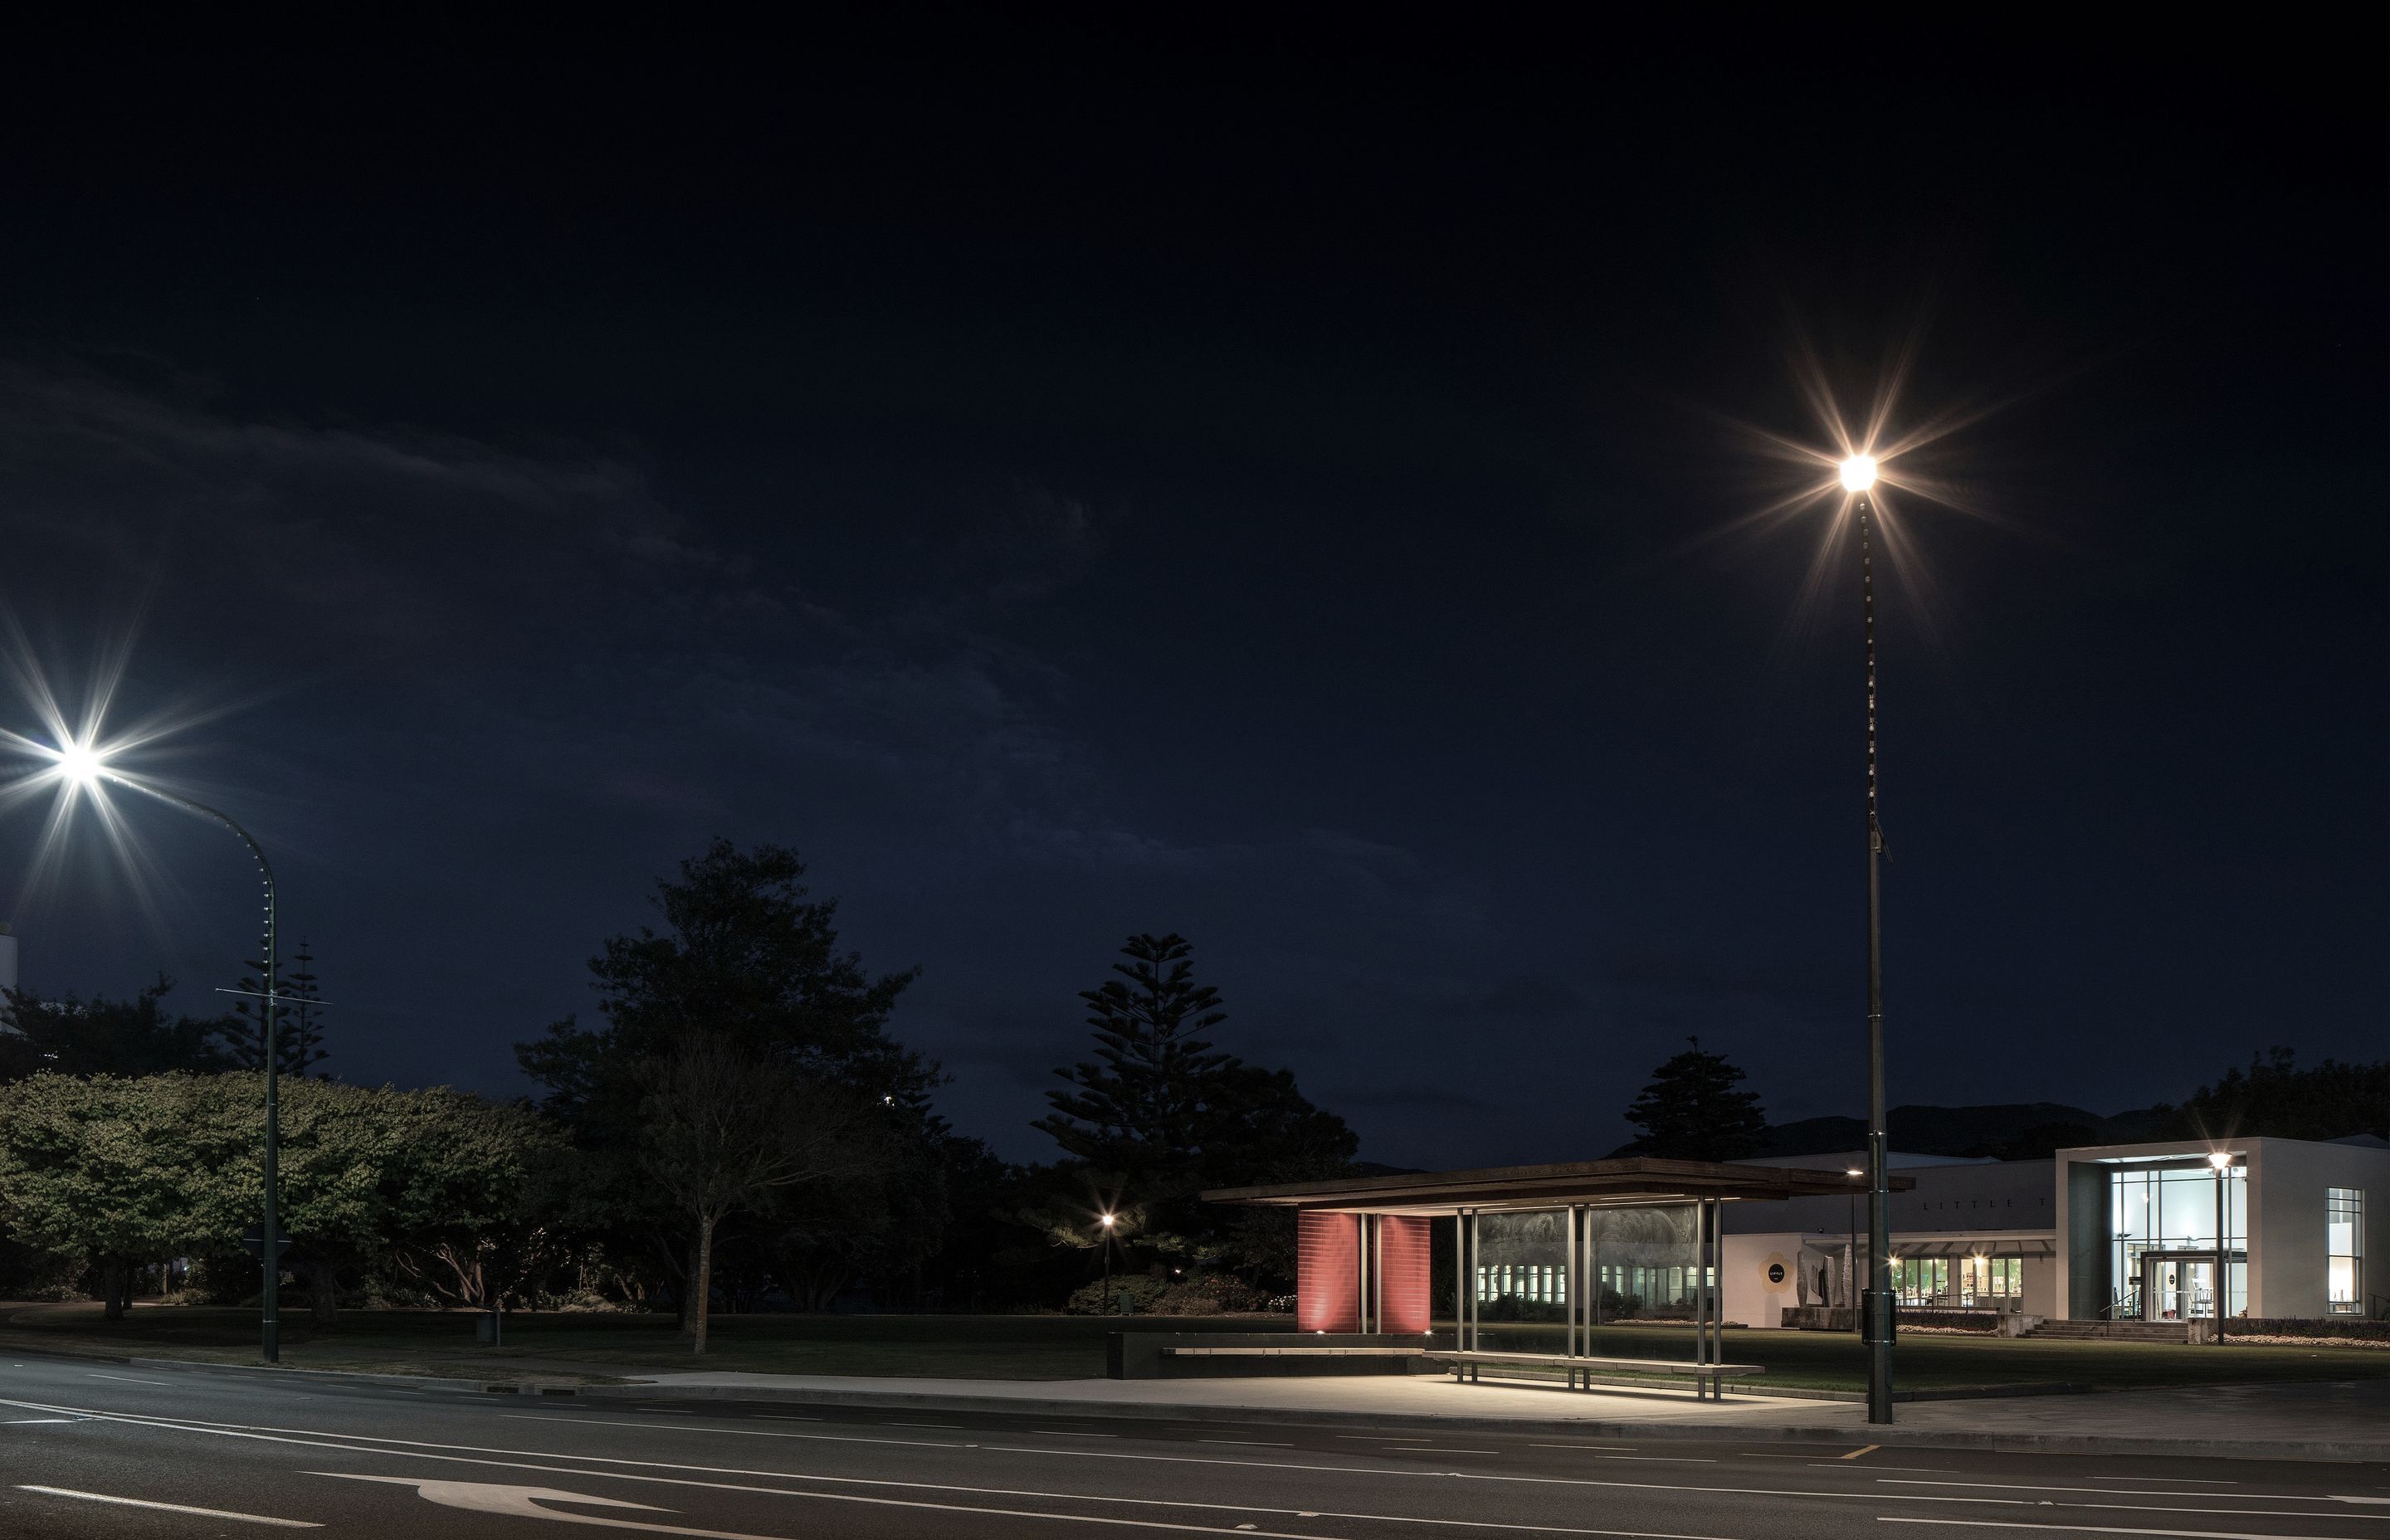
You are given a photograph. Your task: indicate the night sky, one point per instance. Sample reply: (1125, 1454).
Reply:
(1281, 486)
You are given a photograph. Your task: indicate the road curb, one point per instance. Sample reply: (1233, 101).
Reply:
(2337, 1451)
(362, 1377)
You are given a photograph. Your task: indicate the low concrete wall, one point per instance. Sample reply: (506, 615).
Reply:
(1824, 1317)
(1139, 1354)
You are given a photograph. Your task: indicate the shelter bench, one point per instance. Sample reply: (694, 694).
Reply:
(1466, 1362)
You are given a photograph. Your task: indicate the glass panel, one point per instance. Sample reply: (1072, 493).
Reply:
(1522, 1263)
(1643, 1263)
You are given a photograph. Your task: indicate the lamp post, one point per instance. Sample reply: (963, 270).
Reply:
(2219, 1162)
(1857, 475)
(1107, 1222)
(83, 764)
(1851, 1257)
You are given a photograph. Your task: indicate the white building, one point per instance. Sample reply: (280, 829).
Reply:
(2110, 1232)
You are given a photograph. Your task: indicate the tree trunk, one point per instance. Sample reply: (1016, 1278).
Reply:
(112, 1288)
(700, 1282)
(687, 1295)
(324, 1294)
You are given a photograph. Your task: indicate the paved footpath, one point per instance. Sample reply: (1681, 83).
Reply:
(2328, 1421)
(93, 1451)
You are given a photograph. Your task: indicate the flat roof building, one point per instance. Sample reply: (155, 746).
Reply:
(2281, 1229)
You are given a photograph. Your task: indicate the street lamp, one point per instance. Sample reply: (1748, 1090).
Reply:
(1107, 1223)
(2220, 1162)
(85, 765)
(1851, 1257)
(1858, 476)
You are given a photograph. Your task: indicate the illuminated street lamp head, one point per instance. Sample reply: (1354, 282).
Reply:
(80, 763)
(2219, 1158)
(1108, 1221)
(1858, 472)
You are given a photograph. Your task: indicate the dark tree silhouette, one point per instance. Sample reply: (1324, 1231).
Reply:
(1692, 1111)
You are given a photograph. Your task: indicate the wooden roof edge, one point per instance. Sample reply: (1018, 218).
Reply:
(1781, 1182)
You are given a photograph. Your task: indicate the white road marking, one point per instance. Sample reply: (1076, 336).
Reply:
(371, 1444)
(732, 1432)
(1249, 1442)
(1833, 1465)
(776, 1416)
(1661, 1459)
(2178, 1481)
(127, 1379)
(30, 1421)
(950, 1427)
(2110, 1529)
(229, 1430)
(171, 1507)
(1070, 1433)
(1619, 1447)
(2129, 1492)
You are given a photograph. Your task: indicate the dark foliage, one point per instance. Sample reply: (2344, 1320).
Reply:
(1694, 1111)
(2274, 1097)
(102, 1036)
(1161, 1115)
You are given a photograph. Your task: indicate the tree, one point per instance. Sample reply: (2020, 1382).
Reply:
(1692, 1111)
(100, 1035)
(297, 1023)
(729, 1129)
(2275, 1098)
(748, 956)
(1145, 1106)
(1160, 1114)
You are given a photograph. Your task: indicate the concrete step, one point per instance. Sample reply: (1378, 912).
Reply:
(2114, 1332)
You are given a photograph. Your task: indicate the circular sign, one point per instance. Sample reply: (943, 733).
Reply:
(1776, 1272)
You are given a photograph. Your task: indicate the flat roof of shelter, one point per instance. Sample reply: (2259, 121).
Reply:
(1633, 1182)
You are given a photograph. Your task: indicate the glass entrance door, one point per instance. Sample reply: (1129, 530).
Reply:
(2177, 1288)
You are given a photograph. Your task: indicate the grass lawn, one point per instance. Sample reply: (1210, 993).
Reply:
(1069, 1347)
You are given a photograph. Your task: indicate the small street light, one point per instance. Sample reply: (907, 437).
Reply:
(1107, 1223)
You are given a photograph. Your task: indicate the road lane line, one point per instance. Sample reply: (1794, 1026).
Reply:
(128, 1378)
(1070, 1433)
(2111, 1492)
(1857, 1453)
(733, 1433)
(1248, 1442)
(2178, 1481)
(1617, 1446)
(292, 1437)
(30, 1421)
(949, 1427)
(2110, 1529)
(171, 1507)
(370, 1445)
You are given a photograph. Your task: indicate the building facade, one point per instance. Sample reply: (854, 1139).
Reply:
(2288, 1230)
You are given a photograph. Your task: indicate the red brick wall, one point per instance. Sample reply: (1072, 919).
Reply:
(1403, 1273)
(1328, 1271)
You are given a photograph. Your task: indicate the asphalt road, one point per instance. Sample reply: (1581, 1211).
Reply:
(97, 1450)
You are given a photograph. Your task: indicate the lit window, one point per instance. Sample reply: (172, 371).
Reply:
(2344, 1224)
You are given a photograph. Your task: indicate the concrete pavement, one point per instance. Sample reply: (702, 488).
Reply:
(2317, 1421)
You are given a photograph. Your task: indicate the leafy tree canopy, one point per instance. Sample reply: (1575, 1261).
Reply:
(1694, 1110)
